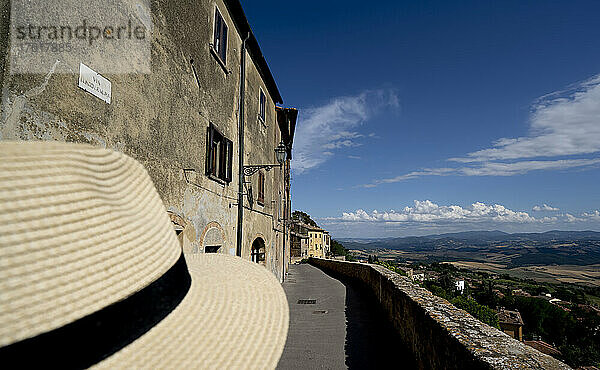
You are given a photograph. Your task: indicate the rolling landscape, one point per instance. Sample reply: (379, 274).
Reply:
(553, 256)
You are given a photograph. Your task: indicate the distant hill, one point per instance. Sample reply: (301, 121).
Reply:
(519, 249)
(472, 237)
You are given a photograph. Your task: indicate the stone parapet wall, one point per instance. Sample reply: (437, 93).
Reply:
(440, 335)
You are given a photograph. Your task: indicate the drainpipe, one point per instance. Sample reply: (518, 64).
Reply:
(283, 167)
(241, 148)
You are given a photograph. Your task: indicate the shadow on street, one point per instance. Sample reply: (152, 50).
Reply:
(371, 341)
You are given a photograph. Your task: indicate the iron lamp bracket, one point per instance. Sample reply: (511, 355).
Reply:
(254, 168)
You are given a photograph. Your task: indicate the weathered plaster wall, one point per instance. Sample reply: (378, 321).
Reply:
(161, 119)
(440, 335)
(265, 136)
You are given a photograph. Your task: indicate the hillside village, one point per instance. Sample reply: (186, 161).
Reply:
(307, 238)
(558, 319)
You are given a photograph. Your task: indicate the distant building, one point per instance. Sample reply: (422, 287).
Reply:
(460, 286)
(521, 292)
(498, 293)
(511, 323)
(309, 241)
(546, 297)
(432, 276)
(327, 243)
(315, 242)
(543, 347)
(418, 276)
(299, 240)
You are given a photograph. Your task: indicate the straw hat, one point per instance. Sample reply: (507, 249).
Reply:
(92, 274)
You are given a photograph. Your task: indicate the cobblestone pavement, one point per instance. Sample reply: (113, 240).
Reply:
(336, 324)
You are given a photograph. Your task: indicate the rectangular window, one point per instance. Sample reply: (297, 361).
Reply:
(212, 249)
(220, 37)
(262, 106)
(261, 189)
(219, 155)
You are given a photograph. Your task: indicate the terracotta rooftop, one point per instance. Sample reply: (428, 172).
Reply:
(543, 347)
(509, 317)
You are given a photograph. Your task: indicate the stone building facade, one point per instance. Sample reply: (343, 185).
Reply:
(181, 121)
(299, 240)
(316, 245)
(511, 323)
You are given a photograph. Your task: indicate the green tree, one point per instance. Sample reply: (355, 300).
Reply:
(447, 283)
(486, 294)
(391, 266)
(481, 312)
(304, 217)
(545, 319)
(337, 249)
(437, 290)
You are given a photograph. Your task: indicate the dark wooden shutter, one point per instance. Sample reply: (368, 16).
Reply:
(217, 31)
(222, 159)
(209, 141)
(229, 160)
(263, 103)
(223, 49)
(261, 188)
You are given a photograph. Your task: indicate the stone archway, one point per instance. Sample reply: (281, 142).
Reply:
(212, 239)
(179, 224)
(257, 253)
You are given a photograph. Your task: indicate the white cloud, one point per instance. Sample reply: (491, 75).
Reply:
(592, 216)
(340, 144)
(544, 207)
(564, 123)
(427, 212)
(333, 126)
(491, 169)
(426, 218)
(478, 215)
(518, 168)
(570, 218)
(413, 175)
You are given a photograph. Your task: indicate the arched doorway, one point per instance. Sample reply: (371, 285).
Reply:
(258, 251)
(212, 239)
(179, 224)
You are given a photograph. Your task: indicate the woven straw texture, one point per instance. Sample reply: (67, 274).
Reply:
(83, 227)
(235, 316)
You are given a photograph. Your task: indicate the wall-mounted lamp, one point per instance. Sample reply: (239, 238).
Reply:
(280, 154)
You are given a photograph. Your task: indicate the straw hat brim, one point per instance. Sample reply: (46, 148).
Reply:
(91, 267)
(235, 315)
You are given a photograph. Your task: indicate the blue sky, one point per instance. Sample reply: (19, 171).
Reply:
(420, 117)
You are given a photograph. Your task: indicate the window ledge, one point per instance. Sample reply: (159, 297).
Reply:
(261, 120)
(218, 58)
(218, 180)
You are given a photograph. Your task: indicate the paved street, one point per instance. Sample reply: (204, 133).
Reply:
(335, 325)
